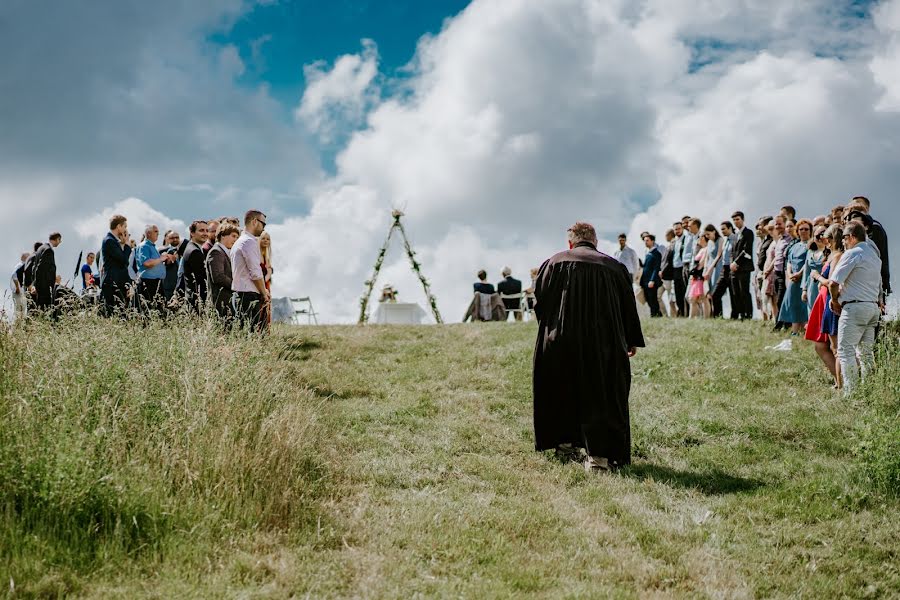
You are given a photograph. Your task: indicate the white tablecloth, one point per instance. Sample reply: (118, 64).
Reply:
(398, 313)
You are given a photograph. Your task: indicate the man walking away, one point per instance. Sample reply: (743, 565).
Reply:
(246, 273)
(44, 285)
(667, 272)
(855, 287)
(219, 272)
(510, 286)
(588, 328)
(116, 256)
(152, 270)
(17, 287)
(194, 266)
(651, 280)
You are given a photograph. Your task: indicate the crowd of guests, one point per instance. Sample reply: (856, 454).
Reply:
(825, 278)
(220, 266)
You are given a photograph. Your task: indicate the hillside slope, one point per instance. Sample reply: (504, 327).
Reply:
(392, 462)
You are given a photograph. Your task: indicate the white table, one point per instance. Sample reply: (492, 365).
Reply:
(398, 313)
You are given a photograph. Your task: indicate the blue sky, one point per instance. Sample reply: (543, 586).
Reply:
(276, 40)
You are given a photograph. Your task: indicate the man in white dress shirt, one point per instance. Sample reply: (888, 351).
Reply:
(247, 279)
(627, 256)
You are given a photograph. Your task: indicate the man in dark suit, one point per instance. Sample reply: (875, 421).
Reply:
(116, 255)
(44, 284)
(510, 287)
(742, 267)
(651, 280)
(482, 286)
(859, 210)
(194, 266)
(219, 271)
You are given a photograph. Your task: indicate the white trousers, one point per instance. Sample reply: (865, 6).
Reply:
(21, 305)
(856, 340)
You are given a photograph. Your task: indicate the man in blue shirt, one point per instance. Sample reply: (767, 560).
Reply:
(688, 247)
(151, 271)
(855, 287)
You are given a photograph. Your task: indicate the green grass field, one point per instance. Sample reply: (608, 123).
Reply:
(388, 462)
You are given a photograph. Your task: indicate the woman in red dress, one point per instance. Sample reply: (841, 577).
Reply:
(814, 330)
(265, 250)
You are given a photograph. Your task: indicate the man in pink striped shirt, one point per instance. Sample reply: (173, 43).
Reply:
(246, 270)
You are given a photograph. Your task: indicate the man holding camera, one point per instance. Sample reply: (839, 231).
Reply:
(114, 277)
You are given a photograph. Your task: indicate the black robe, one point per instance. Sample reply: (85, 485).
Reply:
(582, 374)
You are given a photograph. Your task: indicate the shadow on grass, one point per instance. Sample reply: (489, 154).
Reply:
(712, 483)
(297, 349)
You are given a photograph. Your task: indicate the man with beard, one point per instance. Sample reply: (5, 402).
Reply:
(194, 266)
(588, 330)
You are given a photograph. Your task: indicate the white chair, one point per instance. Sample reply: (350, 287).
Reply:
(522, 307)
(303, 306)
(530, 301)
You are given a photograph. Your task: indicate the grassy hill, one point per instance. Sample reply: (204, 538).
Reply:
(382, 462)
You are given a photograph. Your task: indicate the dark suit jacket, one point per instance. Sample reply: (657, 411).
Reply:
(114, 268)
(879, 236)
(652, 264)
(44, 271)
(218, 275)
(742, 252)
(194, 273)
(509, 286)
(28, 271)
(667, 267)
(484, 288)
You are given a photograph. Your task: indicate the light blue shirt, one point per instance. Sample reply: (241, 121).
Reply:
(687, 248)
(726, 253)
(677, 249)
(859, 273)
(148, 251)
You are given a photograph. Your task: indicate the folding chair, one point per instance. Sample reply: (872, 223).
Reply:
(522, 308)
(300, 310)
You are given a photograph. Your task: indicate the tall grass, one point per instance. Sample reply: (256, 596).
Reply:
(879, 399)
(128, 443)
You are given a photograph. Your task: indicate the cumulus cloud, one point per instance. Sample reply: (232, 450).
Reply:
(94, 228)
(339, 97)
(515, 120)
(885, 64)
(522, 117)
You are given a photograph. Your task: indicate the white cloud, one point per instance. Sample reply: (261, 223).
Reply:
(340, 96)
(515, 120)
(92, 229)
(885, 64)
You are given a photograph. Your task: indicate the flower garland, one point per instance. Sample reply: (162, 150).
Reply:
(416, 267)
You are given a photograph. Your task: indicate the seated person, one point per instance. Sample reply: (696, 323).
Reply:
(482, 286)
(509, 287)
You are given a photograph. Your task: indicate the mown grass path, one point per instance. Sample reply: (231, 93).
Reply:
(744, 483)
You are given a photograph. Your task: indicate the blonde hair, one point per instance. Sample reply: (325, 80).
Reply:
(266, 253)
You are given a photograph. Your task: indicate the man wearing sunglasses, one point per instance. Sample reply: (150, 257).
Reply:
(248, 283)
(855, 287)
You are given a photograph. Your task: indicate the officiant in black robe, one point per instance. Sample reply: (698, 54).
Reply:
(588, 330)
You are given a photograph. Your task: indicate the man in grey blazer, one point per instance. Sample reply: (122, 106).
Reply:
(218, 271)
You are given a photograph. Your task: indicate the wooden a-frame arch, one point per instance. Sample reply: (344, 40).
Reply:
(416, 267)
